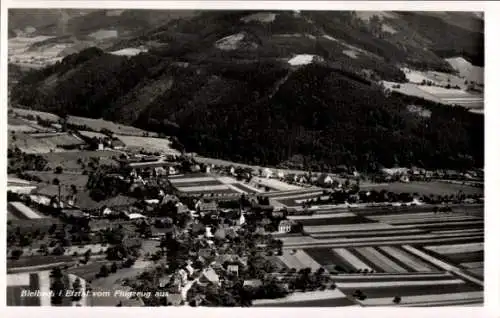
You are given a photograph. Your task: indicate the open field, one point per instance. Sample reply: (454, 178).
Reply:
(92, 134)
(276, 184)
(467, 70)
(424, 188)
(385, 259)
(329, 298)
(39, 260)
(151, 144)
(29, 112)
(43, 142)
(65, 179)
(69, 160)
(456, 248)
(99, 124)
(327, 220)
(376, 227)
(465, 99)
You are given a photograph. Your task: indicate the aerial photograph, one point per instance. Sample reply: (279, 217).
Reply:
(266, 158)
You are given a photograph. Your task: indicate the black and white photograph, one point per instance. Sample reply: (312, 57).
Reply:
(245, 158)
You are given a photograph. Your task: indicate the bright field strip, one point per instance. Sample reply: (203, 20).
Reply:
(409, 217)
(277, 184)
(376, 234)
(321, 216)
(204, 188)
(246, 188)
(467, 231)
(21, 211)
(449, 225)
(297, 191)
(391, 277)
(456, 248)
(381, 261)
(407, 259)
(307, 260)
(377, 259)
(397, 283)
(44, 278)
(311, 242)
(192, 180)
(420, 222)
(351, 259)
(347, 227)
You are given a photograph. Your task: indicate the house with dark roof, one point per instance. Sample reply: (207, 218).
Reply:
(206, 206)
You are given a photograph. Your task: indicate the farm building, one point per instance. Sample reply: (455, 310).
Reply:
(201, 185)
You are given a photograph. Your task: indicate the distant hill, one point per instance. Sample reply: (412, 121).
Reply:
(222, 83)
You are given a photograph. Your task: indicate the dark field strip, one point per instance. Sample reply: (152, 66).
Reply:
(443, 221)
(291, 193)
(334, 302)
(34, 286)
(436, 289)
(66, 301)
(242, 187)
(365, 260)
(395, 260)
(444, 227)
(14, 296)
(207, 193)
(327, 257)
(336, 221)
(455, 259)
(389, 278)
(196, 184)
(466, 257)
(38, 260)
(322, 255)
(186, 176)
(11, 216)
(291, 202)
(363, 234)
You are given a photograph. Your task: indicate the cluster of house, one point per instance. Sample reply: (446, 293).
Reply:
(419, 174)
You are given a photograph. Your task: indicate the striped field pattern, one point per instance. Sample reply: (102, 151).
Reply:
(426, 258)
(33, 289)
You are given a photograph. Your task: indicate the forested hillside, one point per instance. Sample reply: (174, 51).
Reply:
(249, 105)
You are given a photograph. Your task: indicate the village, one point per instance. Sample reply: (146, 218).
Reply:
(119, 217)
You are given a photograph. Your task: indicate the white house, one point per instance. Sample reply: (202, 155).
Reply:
(285, 226)
(267, 173)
